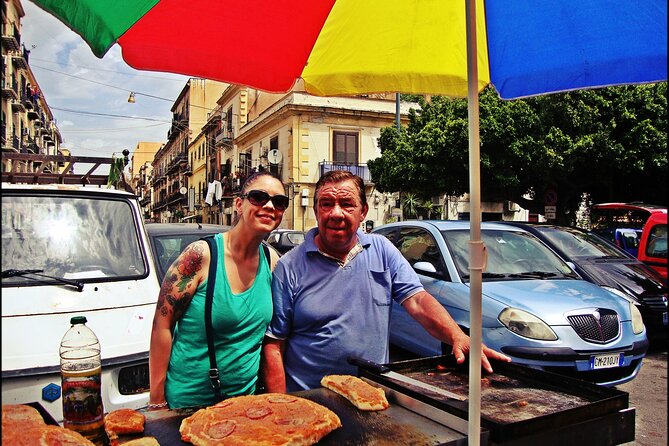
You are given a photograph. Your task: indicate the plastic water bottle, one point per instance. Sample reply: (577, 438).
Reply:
(81, 372)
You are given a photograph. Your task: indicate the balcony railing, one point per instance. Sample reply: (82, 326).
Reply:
(360, 170)
(11, 37)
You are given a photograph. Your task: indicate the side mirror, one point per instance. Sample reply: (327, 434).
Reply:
(425, 267)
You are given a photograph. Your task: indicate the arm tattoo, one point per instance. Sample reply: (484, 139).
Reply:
(182, 276)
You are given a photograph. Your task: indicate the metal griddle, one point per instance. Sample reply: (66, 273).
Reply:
(519, 405)
(395, 426)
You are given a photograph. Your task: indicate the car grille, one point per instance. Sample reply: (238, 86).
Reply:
(600, 326)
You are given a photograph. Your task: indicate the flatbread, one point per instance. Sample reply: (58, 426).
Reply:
(45, 435)
(21, 414)
(123, 421)
(361, 394)
(144, 441)
(270, 419)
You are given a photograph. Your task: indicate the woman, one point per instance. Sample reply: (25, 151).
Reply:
(242, 306)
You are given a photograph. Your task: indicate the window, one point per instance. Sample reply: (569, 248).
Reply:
(657, 242)
(345, 145)
(228, 117)
(418, 245)
(245, 162)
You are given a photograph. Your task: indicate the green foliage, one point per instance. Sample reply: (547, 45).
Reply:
(433, 210)
(115, 171)
(609, 143)
(410, 205)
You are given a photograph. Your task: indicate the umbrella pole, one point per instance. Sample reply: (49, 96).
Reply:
(476, 248)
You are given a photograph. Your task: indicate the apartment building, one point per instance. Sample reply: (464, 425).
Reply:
(171, 169)
(294, 135)
(28, 126)
(141, 170)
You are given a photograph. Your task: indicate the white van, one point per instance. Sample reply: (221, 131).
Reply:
(69, 251)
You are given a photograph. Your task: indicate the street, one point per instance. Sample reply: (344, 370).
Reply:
(648, 394)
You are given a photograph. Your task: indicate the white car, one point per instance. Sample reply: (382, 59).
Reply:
(74, 251)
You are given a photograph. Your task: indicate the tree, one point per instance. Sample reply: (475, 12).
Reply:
(410, 205)
(609, 143)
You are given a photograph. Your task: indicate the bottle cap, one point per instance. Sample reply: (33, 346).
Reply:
(78, 320)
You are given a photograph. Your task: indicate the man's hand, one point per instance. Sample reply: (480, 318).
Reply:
(461, 348)
(429, 313)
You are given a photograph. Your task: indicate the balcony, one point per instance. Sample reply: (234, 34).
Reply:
(224, 138)
(9, 88)
(176, 198)
(360, 170)
(179, 162)
(18, 106)
(19, 59)
(11, 37)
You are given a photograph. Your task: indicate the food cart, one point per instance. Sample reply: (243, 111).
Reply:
(520, 406)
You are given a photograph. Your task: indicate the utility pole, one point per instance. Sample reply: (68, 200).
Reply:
(397, 111)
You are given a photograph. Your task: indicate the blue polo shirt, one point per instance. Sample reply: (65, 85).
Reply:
(327, 312)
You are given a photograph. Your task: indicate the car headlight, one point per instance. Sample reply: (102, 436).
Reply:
(527, 325)
(637, 320)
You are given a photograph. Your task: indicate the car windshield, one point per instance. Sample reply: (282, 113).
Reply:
(577, 244)
(509, 253)
(70, 238)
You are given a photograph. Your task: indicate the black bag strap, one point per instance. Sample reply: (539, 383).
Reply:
(211, 279)
(265, 249)
(209, 300)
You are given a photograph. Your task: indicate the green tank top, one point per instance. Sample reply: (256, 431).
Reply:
(239, 322)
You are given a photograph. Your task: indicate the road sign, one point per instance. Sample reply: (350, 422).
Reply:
(550, 198)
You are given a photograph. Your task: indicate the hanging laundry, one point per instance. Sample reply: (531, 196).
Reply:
(219, 190)
(211, 191)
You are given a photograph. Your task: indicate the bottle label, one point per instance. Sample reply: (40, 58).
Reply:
(82, 400)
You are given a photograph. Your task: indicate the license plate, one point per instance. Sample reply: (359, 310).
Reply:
(606, 361)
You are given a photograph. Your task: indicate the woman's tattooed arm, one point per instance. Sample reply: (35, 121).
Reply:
(181, 281)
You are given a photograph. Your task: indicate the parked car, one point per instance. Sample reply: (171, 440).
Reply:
(535, 308)
(283, 240)
(626, 239)
(650, 221)
(168, 240)
(653, 244)
(67, 251)
(598, 261)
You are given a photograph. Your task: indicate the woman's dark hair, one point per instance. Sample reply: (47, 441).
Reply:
(252, 178)
(248, 182)
(339, 176)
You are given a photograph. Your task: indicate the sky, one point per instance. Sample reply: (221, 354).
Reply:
(81, 89)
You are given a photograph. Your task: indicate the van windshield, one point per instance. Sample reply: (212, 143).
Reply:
(69, 237)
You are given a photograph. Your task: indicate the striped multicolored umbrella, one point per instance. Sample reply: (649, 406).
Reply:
(413, 46)
(343, 47)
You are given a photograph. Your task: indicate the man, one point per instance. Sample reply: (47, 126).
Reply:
(333, 295)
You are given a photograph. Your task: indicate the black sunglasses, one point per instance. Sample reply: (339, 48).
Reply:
(260, 198)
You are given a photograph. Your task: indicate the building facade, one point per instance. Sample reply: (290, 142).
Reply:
(28, 126)
(141, 170)
(171, 169)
